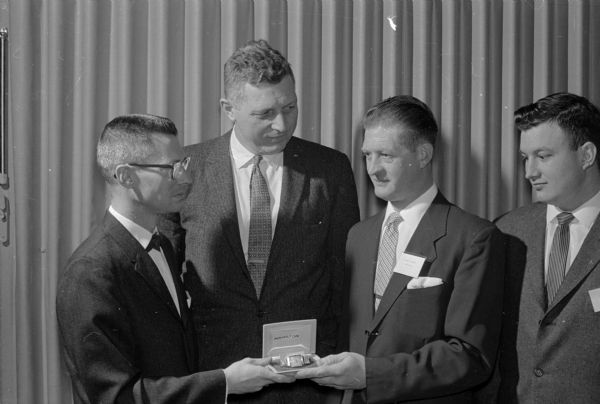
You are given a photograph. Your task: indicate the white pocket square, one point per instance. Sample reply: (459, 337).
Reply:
(422, 282)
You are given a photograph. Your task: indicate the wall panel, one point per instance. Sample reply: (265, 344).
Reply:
(75, 64)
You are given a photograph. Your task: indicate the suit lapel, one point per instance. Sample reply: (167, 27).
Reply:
(222, 191)
(364, 274)
(141, 261)
(292, 187)
(586, 260)
(431, 228)
(175, 268)
(534, 274)
(144, 265)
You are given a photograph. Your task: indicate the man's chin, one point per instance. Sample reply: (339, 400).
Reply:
(275, 147)
(540, 195)
(175, 205)
(381, 194)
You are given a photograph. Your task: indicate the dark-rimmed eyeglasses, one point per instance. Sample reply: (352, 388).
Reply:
(177, 168)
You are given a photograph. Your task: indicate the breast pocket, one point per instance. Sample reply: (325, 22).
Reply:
(421, 312)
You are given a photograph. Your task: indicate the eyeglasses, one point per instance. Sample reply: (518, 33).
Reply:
(177, 168)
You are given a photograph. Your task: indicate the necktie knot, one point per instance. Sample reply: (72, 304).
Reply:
(154, 243)
(257, 159)
(564, 218)
(393, 219)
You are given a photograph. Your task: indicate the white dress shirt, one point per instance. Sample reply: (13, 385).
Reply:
(271, 168)
(585, 216)
(143, 236)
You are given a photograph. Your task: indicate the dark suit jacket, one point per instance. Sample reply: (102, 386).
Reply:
(548, 355)
(433, 344)
(124, 340)
(305, 271)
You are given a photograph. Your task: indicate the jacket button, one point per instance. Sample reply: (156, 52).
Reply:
(538, 372)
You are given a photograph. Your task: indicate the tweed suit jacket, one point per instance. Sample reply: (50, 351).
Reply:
(124, 341)
(305, 272)
(430, 345)
(548, 355)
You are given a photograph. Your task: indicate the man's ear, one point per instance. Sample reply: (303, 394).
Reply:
(124, 175)
(587, 153)
(425, 153)
(227, 107)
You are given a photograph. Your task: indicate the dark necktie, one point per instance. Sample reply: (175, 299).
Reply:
(259, 238)
(558, 255)
(386, 258)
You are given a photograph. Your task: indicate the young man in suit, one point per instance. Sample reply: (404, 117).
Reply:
(426, 277)
(265, 223)
(550, 347)
(121, 307)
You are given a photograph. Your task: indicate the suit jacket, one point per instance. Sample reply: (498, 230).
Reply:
(548, 355)
(433, 344)
(124, 340)
(305, 272)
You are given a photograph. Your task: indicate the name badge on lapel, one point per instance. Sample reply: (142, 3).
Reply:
(595, 298)
(409, 264)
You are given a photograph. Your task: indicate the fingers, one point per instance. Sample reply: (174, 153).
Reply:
(332, 359)
(308, 373)
(280, 378)
(257, 361)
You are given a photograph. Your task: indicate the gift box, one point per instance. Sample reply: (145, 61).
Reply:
(291, 345)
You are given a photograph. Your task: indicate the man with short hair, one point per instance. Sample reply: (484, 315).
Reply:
(265, 223)
(550, 348)
(426, 277)
(122, 311)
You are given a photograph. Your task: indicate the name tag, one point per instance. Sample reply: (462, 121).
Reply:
(409, 265)
(595, 298)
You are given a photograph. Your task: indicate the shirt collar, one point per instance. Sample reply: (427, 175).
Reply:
(417, 208)
(242, 157)
(585, 214)
(142, 235)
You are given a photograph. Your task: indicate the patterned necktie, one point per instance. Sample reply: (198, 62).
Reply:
(259, 240)
(386, 259)
(558, 255)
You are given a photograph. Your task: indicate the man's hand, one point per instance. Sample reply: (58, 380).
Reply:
(344, 371)
(249, 375)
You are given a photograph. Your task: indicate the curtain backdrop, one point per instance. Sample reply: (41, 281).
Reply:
(75, 64)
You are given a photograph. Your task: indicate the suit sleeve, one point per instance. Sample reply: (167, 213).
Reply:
(100, 346)
(345, 214)
(464, 357)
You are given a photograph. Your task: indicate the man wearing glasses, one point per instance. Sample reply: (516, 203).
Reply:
(122, 312)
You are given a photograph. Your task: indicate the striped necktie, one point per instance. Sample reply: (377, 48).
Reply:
(386, 258)
(558, 255)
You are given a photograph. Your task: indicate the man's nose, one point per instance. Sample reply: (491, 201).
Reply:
(531, 170)
(279, 123)
(373, 166)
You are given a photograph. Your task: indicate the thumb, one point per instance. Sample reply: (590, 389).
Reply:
(258, 361)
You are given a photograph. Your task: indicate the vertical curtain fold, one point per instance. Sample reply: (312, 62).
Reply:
(304, 54)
